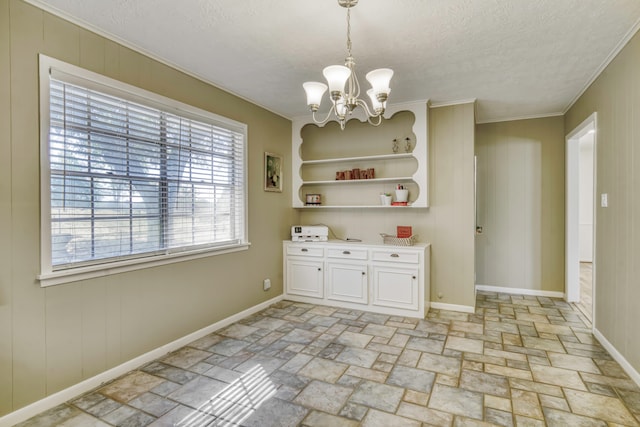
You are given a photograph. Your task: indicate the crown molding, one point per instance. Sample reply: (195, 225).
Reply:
(616, 50)
(438, 104)
(512, 119)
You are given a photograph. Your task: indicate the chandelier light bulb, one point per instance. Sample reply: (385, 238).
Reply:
(379, 80)
(336, 76)
(377, 105)
(314, 91)
(341, 107)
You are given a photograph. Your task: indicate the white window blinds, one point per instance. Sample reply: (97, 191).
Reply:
(133, 179)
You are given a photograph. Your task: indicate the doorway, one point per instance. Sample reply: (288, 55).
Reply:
(580, 216)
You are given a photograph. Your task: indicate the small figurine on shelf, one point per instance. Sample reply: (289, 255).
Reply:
(395, 146)
(407, 145)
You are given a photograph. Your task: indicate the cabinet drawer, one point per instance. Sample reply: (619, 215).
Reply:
(347, 253)
(305, 251)
(391, 255)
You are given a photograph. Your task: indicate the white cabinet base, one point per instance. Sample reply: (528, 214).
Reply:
(306, 278)
(395, 287)
(392, 280)
(347, 282)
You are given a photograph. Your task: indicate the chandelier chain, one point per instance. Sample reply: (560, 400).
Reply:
(349, 29)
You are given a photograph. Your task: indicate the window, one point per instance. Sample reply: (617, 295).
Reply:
(131, 177)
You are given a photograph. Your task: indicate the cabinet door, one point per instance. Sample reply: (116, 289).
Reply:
(347, 282)
(305, 278)
(395, 287)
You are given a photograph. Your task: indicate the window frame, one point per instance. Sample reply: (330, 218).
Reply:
(72, 74)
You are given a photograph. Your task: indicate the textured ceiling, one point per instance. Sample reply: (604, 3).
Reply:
(518, 58)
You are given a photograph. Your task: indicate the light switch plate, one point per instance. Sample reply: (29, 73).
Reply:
(604, 200)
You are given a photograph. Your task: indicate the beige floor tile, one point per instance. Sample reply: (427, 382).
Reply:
(398, 340)
(475, 328)
(528, 317)
(323, 370)
(323, 396)
(507, 372)
(543, 344)
(623, 383)
(557, 376)
(554, 402)
(526, 403)
(548, 389)
(553, 329)
(505, 355)
(555, 417)
(186, 357)
(353, 339)
(424, 414)
(367, 374)
(376, 418)
(321, 419)
(611, 369)
(379, 330)
(130, 386)
(456, 401)
(501, 403)
(416, 397)
(440, 364)
(576, 363)
(598, 406)
(464, 344)
(522, 421)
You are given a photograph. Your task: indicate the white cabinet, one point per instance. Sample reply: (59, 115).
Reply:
(304, 270)
(318, 152)
(395, 287)
(347, 282)
(386, 279)
(305, 278)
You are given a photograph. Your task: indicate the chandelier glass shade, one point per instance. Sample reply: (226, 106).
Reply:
(344, 88)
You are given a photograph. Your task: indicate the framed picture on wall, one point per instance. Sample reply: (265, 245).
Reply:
(272, 172)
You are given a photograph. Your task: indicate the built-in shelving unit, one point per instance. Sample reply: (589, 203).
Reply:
(321, 151)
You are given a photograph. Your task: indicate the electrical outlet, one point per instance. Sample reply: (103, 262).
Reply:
(266, 284)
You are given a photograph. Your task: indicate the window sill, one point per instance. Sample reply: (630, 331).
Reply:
(101, 270)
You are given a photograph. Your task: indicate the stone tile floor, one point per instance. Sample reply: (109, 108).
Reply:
(520, 360)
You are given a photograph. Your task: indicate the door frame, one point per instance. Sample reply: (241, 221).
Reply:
(572, 181)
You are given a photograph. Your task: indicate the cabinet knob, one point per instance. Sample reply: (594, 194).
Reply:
(395, 256)
(304, 250)
(363, 273)
(414, 277)
(319, 269)
(346, 252)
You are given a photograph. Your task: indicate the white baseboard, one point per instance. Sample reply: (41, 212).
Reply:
(453, 307)
(89, 384)
(630, 370)
(520, 291)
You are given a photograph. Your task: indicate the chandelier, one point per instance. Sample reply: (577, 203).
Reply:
(344, 88)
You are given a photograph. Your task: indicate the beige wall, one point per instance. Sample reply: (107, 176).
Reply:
(615, 96)
(53, 338)
(448, 224)
(520, 190)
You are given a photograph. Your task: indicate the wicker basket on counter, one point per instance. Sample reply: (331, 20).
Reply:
(389, 239)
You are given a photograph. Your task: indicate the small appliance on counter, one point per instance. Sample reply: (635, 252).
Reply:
(309, 233)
